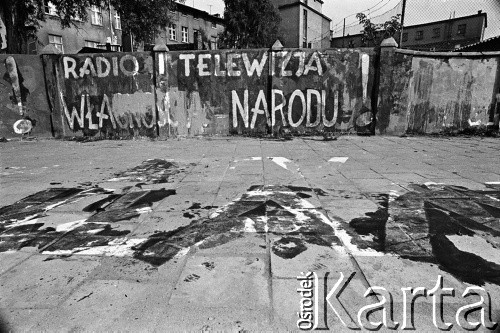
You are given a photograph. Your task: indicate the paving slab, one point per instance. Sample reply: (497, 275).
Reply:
(210, 281)
(232, 262)
(40, 282)
(109, 305)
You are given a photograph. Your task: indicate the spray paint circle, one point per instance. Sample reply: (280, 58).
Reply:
(22, 126)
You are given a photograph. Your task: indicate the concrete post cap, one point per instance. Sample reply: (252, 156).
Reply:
(160, 47)
(277, 45)
(389, 42)
(50, 49)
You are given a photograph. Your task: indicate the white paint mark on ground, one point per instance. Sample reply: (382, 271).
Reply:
(182, 253)
(121, 247)
(476, 245)
(27, 220)
(69, 226)
(144, 210)
(249, 225)
(281, 161)
(338, 159)
(493, 198)
(55, 205)
(346, 239)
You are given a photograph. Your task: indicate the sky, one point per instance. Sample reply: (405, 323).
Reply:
(334, 9)
(418, 11)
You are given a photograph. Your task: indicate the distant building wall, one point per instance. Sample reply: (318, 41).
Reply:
(83, 34)
(444, 35)
(290, 37)
(186, 21)
(303, 19)
(3, 33)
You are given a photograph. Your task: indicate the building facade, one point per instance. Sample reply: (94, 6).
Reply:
(303, 24)
(187, 23)
(445, 35)
(101, 30)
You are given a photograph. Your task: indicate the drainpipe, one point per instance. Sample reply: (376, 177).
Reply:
(111, 23)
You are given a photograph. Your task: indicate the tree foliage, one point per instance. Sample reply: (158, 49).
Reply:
(250, 24)
(374, 34)
(142, 18)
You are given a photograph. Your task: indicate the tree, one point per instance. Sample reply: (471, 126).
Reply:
(250, 24)
(374, 34)
(141, 18)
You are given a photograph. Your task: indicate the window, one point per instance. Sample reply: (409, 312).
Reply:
(50, 8)
(184, 34)
(118, 21)
(419, 35)
(95, 45)
(96, 15)
(461, 29)
(56, 40)
(172, 31)
(405, 36)
(213, 43)
(214, 25)
(436, 32)
(195, 34)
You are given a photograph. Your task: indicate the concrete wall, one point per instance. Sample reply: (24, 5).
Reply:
(23, 95)
(421, 93)
(258, 92)
(108, 95)
(250, 92)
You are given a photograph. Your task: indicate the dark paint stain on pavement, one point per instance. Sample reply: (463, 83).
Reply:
(119, 207)
(451, 226)
(154, 171)
(37, 205)
(19, 229)
(273, 209)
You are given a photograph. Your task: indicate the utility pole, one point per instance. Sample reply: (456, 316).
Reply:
(343, 35)
(402, 24)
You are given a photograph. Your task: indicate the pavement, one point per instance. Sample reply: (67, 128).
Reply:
(248, 234)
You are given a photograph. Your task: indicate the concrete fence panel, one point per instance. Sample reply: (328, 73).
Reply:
(211, 92)
(23, 96)
(107, 95)
(257, 92)
(427, 93)
(323, 90)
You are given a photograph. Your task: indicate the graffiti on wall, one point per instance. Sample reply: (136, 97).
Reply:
(258, 90)
(106, 94)
(23, 106)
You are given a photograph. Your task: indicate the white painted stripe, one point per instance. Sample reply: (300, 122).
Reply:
(476, 245)
(65, 227)
(338, 159)
(280, 161)
(249, 225)
(161, 63)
